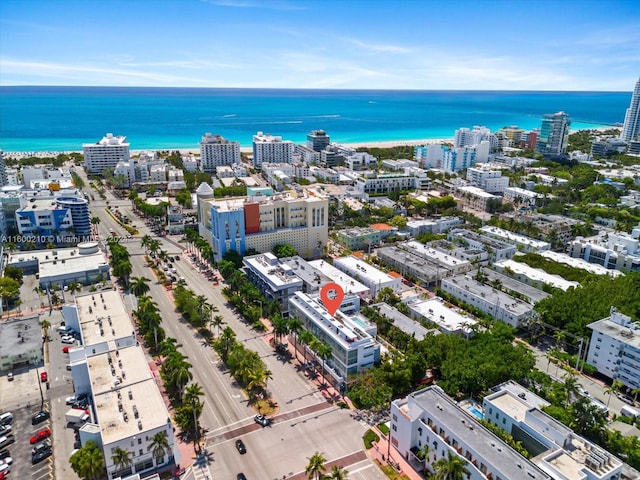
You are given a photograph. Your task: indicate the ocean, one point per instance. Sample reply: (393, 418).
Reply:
(36, 119)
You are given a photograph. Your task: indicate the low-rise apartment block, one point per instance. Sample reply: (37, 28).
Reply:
(554, 448)
(615, 348)
(536, 277)
(370, 276)
(496, 303)
(351, 337)
(430, 418)
(523, 243)
(444, 318)
(496, 249)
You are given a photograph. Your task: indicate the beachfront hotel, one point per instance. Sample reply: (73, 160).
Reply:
(106, 153)
(216, 151)
(262, 221)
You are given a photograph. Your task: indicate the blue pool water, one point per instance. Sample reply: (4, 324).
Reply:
(358, 322)
(477, 413)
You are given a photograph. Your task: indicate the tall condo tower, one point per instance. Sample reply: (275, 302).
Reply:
(318, 140)
(554, 134)
(106, 153)
(216, 151)
(631, 127)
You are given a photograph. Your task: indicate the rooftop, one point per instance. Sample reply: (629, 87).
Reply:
(354, 264)
(269, 267)
(536, 274)
(507, 462)
(348, 284)
(514, 237)
(435, 311)
(102, 317)
(404, 323)
(19, 336)
(580, 263)
(127, 399)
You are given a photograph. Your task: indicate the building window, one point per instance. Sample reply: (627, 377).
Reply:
(139, 441)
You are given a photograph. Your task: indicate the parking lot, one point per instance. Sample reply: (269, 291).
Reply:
(24, 395)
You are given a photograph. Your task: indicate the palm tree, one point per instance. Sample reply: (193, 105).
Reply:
(425, 451)
(159, 446)
(280, 327)
(571, 386)
(295, 326)
(88, 462)
(227, 338)
(337, 473)
(452, 468)
(315, 467)
(324, 351)
(217, 322)
(145, 242)
(139, 286)
(193, 393)
(46, 325)
(635, 393)
(615, 387)
(121, 458)
(74, 287)
(306, 337)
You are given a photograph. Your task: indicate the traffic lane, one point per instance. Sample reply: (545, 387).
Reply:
(225, 401)
(282, 449)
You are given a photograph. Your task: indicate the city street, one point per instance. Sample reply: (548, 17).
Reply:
(303, 423)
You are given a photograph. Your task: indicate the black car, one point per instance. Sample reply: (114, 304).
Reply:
(41, 455)
(5, 454)
(39, 417)
(241, 447)
(42, 446)
(241, 476)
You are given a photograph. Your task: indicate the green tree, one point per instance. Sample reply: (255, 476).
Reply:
(88, 462)
(284, 250)
(398, 221)
(451, 468)
(159, 446)
(9, 289)
(121, 458)
(139, 286)
(217, 321)
(315, 468)
(14, 272)
(183, 197)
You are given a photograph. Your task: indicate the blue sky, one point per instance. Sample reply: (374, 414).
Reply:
(395, 44)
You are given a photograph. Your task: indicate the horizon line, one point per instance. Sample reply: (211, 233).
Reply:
(314, 89)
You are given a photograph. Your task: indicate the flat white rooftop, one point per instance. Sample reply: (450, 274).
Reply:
(269, 267)
(127, 399)
(436, 255)
(348, 284)
(514, 237)
(477, 192)
(536, 274)
(438, 313)
(354, 264)
(580, 263)
(102, 317)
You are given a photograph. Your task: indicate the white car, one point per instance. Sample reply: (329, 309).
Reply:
(68, 339)
(6, 461)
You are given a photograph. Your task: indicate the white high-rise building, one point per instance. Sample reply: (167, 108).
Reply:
(270, 149)
(464, 137)
(106, 153)
(216, 151)
(631, 127)
(3, 171)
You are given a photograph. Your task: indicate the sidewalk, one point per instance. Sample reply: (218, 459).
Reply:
(382, 455)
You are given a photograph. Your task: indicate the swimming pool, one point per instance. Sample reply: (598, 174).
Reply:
(475, 412)
(358, 322)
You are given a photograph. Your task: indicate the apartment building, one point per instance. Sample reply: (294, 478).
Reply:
(523, 243)
(262, 222)
(612, 251)
(271, 149)
(487, 178)
(370, 276)
(318, 140)
(536, 277)
(384, 184)
(105, 153)
(351, 337)
(554, 135)
(216, 151)
(430, 418)
(615, 348)
(496, 249)
(554, 448)
(485, 298)
(444, 318)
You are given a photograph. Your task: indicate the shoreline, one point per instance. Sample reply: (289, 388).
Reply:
(196, 150)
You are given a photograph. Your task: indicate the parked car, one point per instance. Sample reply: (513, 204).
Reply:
(46, 445)
(626, 399)
(38, 457)
(241, 476)
(262, 420)
(4, 454)
(39, 417)
(44, 377)
(10, 376)
(6, 461)
(65, 349)
(41, 435)
(5, 430)
(68, 339)
(240, 446)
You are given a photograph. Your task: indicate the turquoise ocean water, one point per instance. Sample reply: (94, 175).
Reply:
(63, 118)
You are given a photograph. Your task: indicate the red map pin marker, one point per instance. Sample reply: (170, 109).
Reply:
(331, 295)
